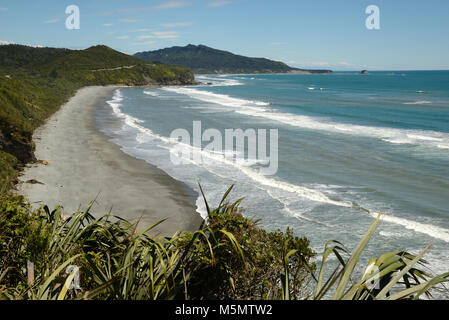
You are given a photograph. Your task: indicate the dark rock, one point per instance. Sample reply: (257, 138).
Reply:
(34, 181)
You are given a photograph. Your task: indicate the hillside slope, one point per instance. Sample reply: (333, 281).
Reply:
(204, 60)
(35, 82)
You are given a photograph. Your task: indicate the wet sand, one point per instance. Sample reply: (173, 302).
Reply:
(81, 165)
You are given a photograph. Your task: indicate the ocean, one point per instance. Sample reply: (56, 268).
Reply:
(349, 146)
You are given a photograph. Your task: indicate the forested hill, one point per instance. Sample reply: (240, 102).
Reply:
(35, 82)
(80, 65)
(204, 60)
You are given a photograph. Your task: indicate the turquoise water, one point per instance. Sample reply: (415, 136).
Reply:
(350, 146)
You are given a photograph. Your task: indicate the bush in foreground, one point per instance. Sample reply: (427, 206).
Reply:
(117, 262)
(230, 257)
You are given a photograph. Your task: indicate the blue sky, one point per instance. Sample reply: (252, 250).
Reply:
(310, 34)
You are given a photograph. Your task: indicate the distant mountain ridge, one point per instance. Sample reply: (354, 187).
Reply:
(205, 60)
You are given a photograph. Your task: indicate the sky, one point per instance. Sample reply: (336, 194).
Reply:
(328, 34)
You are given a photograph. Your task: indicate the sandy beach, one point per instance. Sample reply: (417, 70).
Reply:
(80, 164)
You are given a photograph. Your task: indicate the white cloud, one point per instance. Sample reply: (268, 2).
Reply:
(108, 24)
(3, 9)
(52, 20)
(145, 37)
(140, 30)
(144, 43)
(218, 3)
(122, 37)
(177, 24)
(171, 5)
(160, 35)
(128, 20)
(5, 43)
(166, 34)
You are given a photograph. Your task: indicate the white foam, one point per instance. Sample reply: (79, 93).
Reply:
(269, 183)
(425, 138)
(391, 135)
(419, 102)
(215, 98)
(299, 215)
(145, 135)
(397, 141)
(258, 109)
(218, 81)
(301, 191)
(201, 207)
(389, 234)
(128, 120)
(151, 93)
(431, 230)
(242, 165)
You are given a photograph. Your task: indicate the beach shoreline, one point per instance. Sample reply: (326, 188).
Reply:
(79, 164)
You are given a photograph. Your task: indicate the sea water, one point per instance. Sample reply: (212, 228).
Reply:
(350, 146)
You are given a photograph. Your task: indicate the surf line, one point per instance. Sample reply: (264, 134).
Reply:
(255, 141)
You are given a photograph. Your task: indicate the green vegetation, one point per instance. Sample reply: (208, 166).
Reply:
(243, 261)
(228, 258)
(392, 276)
(117, 262)
(38, 248)
(35, 82)
(205, 60)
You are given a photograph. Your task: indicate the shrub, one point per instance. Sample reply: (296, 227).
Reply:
(230, 257)
(235, 259)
